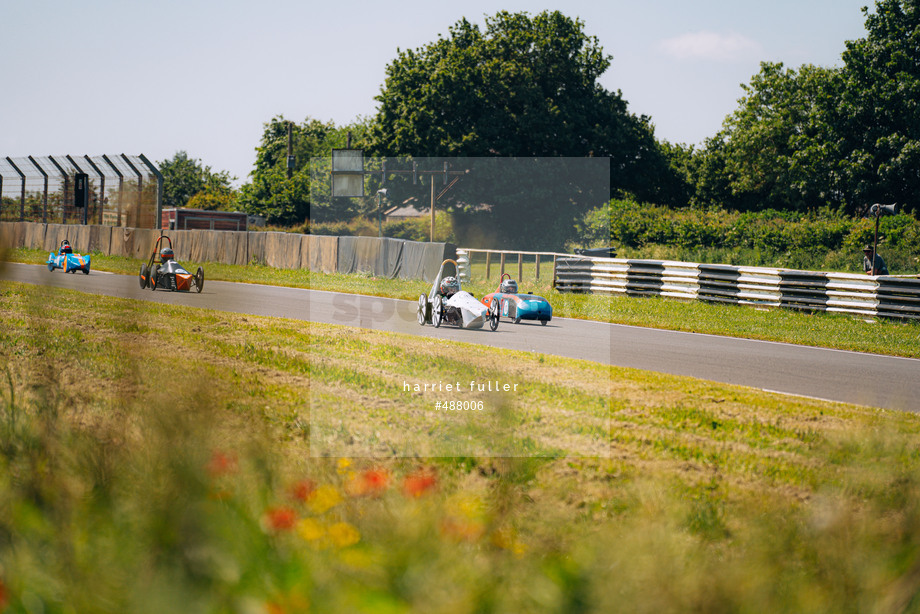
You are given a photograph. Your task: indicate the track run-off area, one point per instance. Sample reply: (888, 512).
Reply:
(873, 380)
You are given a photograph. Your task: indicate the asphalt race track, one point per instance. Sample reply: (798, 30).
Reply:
(851, 377)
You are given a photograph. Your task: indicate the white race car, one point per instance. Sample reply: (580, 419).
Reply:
(447, 303)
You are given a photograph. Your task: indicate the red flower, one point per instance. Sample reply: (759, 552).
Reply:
(302, 491)
(371, 483)
(281, 518)
(222, 464)
(419, 483)
(375, 481)
(4, 596)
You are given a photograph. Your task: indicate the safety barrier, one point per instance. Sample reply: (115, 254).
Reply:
(501, 259)
(883, 296)
(382, 257)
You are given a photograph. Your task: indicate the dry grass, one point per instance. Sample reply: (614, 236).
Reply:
(151, 456)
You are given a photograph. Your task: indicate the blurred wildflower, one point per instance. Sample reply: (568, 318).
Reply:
(343, 534)
(343, 465)
(339, 534)
(281, 518)
(506, 538)
(469, 506)
(370, 483)
(464, 521)
(324, 498)
(310, 529)
(4, 596)
(419, 483)
(222, 463)
(302, 490)
(462, 529)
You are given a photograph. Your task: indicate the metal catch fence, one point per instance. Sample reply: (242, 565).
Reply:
(119, 190)
(484, 263)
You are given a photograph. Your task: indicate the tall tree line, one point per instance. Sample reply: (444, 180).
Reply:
(528, 85)
(842, 137)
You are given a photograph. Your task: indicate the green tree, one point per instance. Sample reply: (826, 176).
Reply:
(879, 110)
(777, 149)
(287, 200)
(215, 198)
(676, 183)
(840, 137)
(185, 177)
(524, 86)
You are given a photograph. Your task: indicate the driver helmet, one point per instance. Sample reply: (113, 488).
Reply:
(449, 285)
(166, 254)
(509, 286)
(66, 248)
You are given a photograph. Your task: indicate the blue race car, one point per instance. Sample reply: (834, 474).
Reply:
(67, 260)
(518, 306)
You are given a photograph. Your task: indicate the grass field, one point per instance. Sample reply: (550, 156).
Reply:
(163, 459)
(819, 329)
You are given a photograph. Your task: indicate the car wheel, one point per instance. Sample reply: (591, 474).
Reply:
(422, 309)
(144, 276)
(86, 271)
(543, 322)
(493, 315)
(517, 319)
(199, 279)
(437, 311)
(154, 277)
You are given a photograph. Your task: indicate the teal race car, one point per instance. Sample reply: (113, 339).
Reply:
(516, 306)
(67, 260)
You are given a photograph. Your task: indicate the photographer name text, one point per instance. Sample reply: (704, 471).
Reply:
(474, 386)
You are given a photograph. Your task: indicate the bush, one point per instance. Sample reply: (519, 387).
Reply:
(418, 229)
(822, 239)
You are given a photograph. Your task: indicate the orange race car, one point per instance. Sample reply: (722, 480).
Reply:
(162, 271)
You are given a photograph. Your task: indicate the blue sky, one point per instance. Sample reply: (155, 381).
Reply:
(125, 76)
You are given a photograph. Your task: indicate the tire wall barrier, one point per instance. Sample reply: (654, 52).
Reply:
(381, 257)
(878, 296)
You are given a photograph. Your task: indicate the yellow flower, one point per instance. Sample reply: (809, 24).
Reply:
(466, 505)
(325, 498)
(343, 465)
(310, 529)
(507, 539)
(343, 534)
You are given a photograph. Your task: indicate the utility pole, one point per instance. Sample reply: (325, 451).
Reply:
(433, 198)
(290, 149)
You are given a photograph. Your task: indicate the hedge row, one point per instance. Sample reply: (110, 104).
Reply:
(627, 224)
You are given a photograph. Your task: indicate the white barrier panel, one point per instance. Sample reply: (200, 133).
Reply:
(882, 296)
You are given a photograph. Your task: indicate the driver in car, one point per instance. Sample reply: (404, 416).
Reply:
(449, 286)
